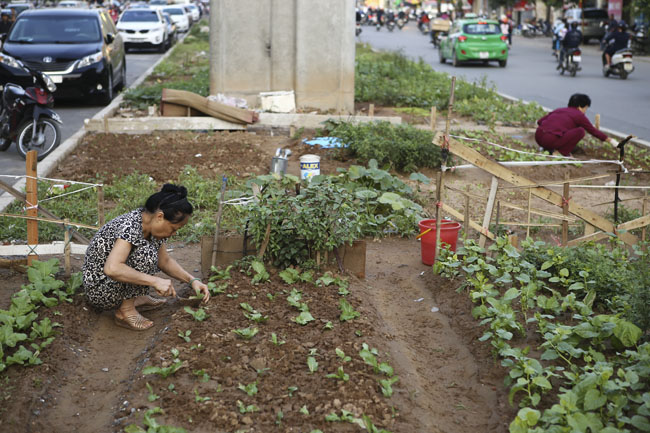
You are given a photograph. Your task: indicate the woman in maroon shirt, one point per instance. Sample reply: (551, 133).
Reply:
(563, 128)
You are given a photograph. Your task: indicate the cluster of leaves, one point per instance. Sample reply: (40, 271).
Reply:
(188, 59)
(391, 79)
(402, 147)
(152, 426)
(19, 323)
(593, 363)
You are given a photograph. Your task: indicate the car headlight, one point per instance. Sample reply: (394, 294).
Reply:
(49, 83)
(10, 61)
(90, 60)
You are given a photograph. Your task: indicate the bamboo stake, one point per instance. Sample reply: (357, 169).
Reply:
(530, 193)
(265, 242)
(565, 211)
(371, 110)
(597, 121)
(31, 190)
(466, 221)
(432, 121)
(498, 215)
(443, 166)
(643, 211)
(215, 241)
(488, 210)
(66, 247)
(100, 205)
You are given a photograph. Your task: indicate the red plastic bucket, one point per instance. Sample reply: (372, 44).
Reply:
(448, 235)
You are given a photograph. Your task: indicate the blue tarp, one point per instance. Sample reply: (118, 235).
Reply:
(325, 142)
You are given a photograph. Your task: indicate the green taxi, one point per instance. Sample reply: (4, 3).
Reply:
(474, 40)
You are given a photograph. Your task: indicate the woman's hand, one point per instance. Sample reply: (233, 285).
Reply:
(164, 287)
(198, 286)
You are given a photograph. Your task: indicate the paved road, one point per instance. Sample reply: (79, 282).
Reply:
(73, 112)
(624, 105)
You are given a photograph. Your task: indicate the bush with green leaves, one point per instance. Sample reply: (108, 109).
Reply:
(401, 147)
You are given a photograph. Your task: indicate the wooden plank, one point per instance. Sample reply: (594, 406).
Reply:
(313, 121)
(212, 108)
(169, 109)
(55, 248)
(459, 216)
(634, 224)
(11, 190)
(119, 125)
(552, 197)
(488, 210)
(31, 194)
(597, 236)
(589, 229)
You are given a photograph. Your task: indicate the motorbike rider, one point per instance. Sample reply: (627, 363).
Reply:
(559, 30)
(571, 39)
(505, 28)
(618, 40)
(5, 23)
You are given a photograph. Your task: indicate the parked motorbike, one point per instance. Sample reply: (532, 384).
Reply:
(400, 23)
(390, 25)
(26, 116)
(571, 62)
(622, 64)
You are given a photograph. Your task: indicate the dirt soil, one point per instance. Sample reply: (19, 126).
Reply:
(92, 380)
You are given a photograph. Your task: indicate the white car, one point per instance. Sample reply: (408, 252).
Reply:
(72, 4)
(143, 28)
(179, 16)
(194, 11)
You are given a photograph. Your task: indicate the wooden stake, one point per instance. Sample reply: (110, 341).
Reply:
(432, 121)
(466, 219)
(530, 193)
(643, 211)
(101, 219)
(371, 110)
(265, 242)
(292, 131)
(215, 241)
(31, 189)
(66, 247)
(597, 121)
(514, 240)
(488, 210)
(496, 230)
(565, 210)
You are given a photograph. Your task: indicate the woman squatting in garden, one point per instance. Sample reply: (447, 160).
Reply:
(126, 253)
(563, 128)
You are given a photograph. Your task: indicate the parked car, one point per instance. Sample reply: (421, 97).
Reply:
(79, 49)
(72, 4)
(194, 11)
(474, 39)
(143, 28)
(590, 20)
(20, 7)
(171, 29)
(158, 3)
(179, 16)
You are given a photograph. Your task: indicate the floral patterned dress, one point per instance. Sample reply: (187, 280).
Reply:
(103, 292)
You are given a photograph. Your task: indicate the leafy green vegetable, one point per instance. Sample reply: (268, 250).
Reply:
(347, 311)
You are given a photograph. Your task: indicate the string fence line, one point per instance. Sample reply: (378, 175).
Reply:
(240, 201)
(67, 193)
(612, 186)
(72, 182)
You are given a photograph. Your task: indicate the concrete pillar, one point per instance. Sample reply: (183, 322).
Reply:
(269, 45)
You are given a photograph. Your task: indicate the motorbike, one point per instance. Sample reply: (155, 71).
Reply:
(400, 23)
(390, 25)
(357, 31)
(622, 64)
(26, 115)
(571, 62)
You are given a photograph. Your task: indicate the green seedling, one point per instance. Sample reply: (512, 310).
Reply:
(172, 388)
(294, 300)
(312, 364)
(199, 315)
(246, 333)
(369, 356)
(270, 296)
(219, 274)
(343, 291)
(256, 317)
(386, 385)
(198, 398)
(185, 335)
(274, 339)
(261, 371)
(341, 354)
(246, 409)
(261, 275)
(250, 389)
(164, 372)
(43, 329)
(217, 290)
(152, 396)
(232, 295)
(202, 374)
(340, 375)
(247, 307)
(347, 311)
(303, 318)
(304, 410)
(358, 333)
(197, 295)
(292, 276)
(279, 416)
(152, 425)
(291, 390)
(328, 326)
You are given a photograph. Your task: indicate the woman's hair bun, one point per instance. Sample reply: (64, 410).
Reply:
(179, 190)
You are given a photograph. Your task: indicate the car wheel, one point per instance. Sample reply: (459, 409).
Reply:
(442, 58)
(503, 63)
(454, 60)
(108, 95)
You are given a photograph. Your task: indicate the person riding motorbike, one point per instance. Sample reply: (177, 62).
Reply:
(559, 30)
(618, 40)
(571, 39)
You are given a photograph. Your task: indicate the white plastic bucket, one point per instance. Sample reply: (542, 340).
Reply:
(309, 166)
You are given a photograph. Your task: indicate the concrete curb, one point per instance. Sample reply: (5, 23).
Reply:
(608, 131)
(49, 164)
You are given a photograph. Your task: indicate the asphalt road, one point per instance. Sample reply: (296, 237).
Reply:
(624, 105)
(73, 112)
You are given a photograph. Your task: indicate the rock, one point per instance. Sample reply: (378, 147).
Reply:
(105, 370)
(337, 403)
(247, 420)
(258, 363)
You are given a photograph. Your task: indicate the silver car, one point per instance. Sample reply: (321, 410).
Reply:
(591, 22)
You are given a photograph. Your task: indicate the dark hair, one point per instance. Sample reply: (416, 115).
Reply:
(172, 201)
(574, 25)
(579, 100)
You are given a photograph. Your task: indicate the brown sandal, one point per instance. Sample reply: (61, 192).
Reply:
(151, 303)
(134, 322)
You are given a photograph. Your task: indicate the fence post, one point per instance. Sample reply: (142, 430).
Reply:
(488, 210)
(530, 192)
(31, 190)
(565, 210)
(432, 121)
(66, 246)
(371, 110)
